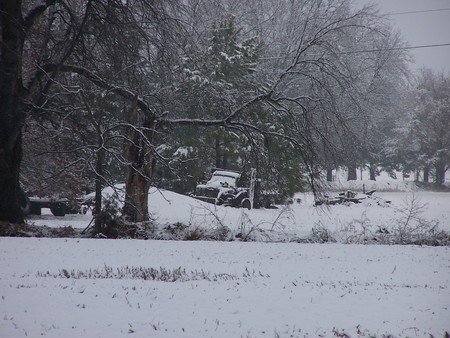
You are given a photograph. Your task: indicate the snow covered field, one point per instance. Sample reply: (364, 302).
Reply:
(138, 288)
(225, 289)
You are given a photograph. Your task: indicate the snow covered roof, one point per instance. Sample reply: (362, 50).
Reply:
(226, 173)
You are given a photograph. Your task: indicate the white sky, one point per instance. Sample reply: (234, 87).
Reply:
(418, 29)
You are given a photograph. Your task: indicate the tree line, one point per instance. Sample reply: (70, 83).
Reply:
(95, 92)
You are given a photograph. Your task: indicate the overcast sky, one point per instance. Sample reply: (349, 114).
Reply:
(429, 27)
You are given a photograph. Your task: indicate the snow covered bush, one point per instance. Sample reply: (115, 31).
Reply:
(409, 224)
(411, 227)
(321, 234)
(362, 231)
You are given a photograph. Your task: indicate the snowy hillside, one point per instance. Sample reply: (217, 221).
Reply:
(293, 222)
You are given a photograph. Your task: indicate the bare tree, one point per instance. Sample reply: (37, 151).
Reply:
(299, 79)
(15, 27)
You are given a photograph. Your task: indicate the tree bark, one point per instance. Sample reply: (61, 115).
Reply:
(98, 188)
(426, 174)
(440, 173)
(329, 175)
(140, 158)
(136, 196)
(12, 116)
(352, 175)
(217, 152)
(14, 28)
(373, 171)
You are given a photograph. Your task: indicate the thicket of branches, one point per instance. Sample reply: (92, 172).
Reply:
(158, 92)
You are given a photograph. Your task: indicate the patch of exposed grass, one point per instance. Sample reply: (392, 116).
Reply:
(144, 273)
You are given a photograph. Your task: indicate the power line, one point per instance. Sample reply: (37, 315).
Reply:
(374, 50)
(396, 48)
(422, 11)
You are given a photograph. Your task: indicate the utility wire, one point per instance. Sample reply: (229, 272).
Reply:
(371, 50)
(396, 48)
(422, 11)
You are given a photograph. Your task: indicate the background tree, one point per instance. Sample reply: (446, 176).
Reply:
(420, 143)
(430, 127)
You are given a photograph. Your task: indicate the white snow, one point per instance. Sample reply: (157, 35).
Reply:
(234, 289)
(221, 179)
(261, 290)
(293, 221)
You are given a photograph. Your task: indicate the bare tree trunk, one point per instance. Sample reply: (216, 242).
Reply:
(426, 174)
(440, 173)
(139, 169)
(98, 189)
(373, 171)
(136, 198)
(217, 152)
(11, 113)
(352, 174)
(225, 161)
(329, 175)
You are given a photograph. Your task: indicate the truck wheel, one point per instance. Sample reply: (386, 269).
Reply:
(35, 208)
(246, 204)
(25, 204)
(58, 209)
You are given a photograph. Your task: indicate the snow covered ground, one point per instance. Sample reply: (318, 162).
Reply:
(285, 223)
(116, 288)
(226, 289)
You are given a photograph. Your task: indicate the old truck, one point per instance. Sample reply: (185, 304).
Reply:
(225, 188)
(34, 205)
